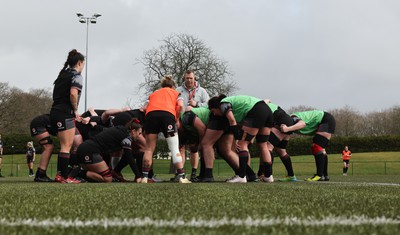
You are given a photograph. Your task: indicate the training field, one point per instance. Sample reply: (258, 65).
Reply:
(356, 204)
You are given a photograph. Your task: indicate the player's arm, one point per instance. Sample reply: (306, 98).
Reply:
(74, 102)
(298, 126)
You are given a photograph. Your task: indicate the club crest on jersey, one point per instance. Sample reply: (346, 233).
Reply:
(59, 124)
(170, 127)
(33, 130)
(87, 158)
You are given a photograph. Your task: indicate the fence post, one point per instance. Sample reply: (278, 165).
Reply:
(352, 169)
(385, 167)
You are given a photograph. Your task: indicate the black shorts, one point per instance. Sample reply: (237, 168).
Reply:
(328, 124)
(29, 159)
(281, 117)
(346, 161)
(259, 116)
(160, 121)
(187, 138)
(218, 123)
(88, 154)
(40, 125)
(61, 121)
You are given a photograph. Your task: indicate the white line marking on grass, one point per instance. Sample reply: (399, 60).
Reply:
(213, 223)
(361, 183)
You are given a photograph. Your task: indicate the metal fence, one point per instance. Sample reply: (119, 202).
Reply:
(223, 169)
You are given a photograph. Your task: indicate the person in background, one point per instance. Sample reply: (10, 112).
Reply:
(193, 96)
(1, 155)
(30, 157)
(346, 155)
(64, 111)
(42, 130)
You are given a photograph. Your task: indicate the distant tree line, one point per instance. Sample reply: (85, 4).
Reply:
(350, 122)
(18, 108)
(373, 131)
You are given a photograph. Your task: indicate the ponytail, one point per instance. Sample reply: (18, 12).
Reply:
(215, 101)
(73, 58)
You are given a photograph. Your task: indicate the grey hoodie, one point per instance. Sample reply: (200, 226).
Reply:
(199, 94)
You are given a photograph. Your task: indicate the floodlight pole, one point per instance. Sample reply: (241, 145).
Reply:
(87, 20)
(12, 161)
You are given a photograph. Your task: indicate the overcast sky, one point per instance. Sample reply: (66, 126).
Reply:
(325, 54)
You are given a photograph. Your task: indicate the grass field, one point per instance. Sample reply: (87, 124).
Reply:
(361, 203)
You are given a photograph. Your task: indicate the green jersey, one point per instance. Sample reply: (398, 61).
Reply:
(241, 105)
(312, 119)
(203, 114)
(273, 107)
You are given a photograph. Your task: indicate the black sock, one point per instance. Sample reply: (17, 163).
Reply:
(250, 172)
(267, 169)
(194, 171)
(202, 167)
(208, 173)
(40, 172)
(272, 160)
(325, 165)
(320, 163)
(151, 173)
(62, 164)
(243, 159)
(287, 162)
(260, 171)
(73, 159)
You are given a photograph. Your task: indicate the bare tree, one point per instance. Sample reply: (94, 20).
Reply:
(394, 120)
(348, 121)
(300, 108)
(180, 52)
(21, 107)
(4, 100)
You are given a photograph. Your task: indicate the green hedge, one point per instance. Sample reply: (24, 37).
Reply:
(19, 142)
(296, 146)
(302, 145)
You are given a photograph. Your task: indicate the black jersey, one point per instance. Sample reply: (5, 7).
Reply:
(111, 140)
(124, 117)
(61, 91)
(87, 131)
(30, 151)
